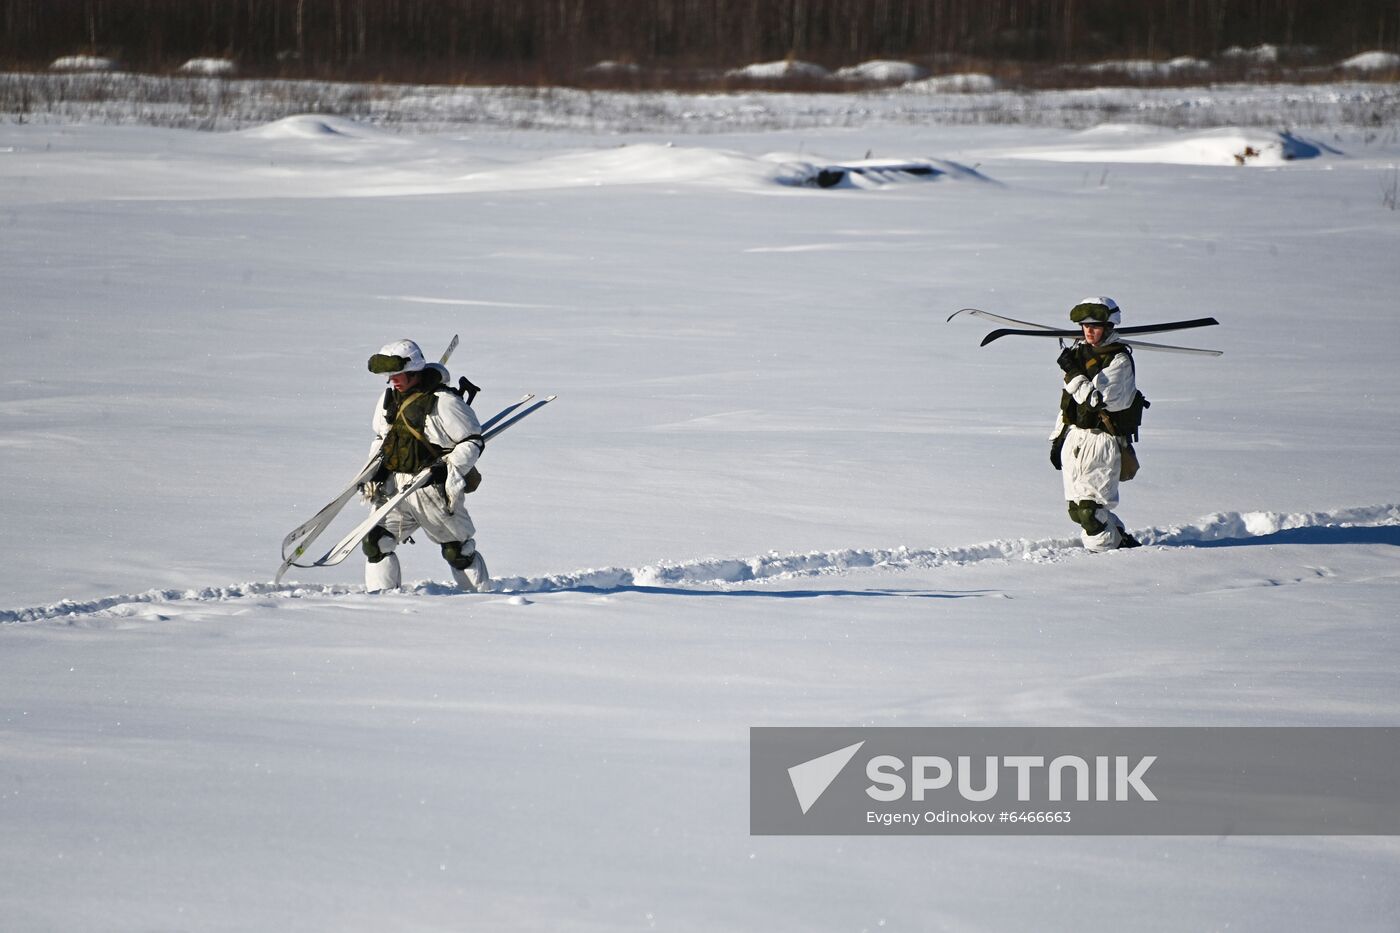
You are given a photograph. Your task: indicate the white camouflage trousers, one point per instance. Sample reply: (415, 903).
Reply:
(1091, 462)
(427, 510)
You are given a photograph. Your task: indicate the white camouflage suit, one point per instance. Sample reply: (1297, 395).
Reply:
(1092, 458)
(443, 520)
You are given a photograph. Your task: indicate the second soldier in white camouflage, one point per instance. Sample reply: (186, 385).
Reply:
(1100, 409)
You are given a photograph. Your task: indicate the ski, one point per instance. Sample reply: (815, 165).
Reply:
(301, 537)
(1169, 348)
(1031, 328)
(486, 425)
(999, 318)
(345, 545)
(498, 425)
(1056, 332)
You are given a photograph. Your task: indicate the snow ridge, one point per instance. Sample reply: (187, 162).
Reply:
(67, 608)
(774, 566)
(719, 572)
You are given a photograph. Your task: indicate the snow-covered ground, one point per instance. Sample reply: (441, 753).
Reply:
(777, 488)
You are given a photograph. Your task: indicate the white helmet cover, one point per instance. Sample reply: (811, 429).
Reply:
(401, 356)
(1096, 309)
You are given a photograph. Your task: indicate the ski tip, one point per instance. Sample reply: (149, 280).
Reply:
(447, 354)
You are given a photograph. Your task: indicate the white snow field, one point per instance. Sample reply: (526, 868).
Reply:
(777, 488)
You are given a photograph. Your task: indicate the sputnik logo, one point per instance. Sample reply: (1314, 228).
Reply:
(811, 778)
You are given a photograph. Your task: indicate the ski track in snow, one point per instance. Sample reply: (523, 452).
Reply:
(719, 572)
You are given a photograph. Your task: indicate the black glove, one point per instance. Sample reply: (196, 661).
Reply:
(1057, 447)
(1069, 362)
(438, 473)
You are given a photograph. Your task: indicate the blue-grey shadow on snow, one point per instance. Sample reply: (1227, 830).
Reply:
(1295, 147)
(771, 594)
(442, 589)
(1324, 534)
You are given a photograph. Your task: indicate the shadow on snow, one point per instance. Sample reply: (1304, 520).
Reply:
(442, 589)
(1326, 534)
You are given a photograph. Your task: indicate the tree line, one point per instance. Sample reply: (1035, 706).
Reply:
(555, 38)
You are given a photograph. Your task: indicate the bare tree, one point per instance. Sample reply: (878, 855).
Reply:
(555, 37)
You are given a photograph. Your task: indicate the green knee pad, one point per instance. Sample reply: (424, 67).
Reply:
(452, 553)
(1083, 514)
(370, 545)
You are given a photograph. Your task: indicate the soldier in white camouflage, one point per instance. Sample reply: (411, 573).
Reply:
(419, 422)
(1100, 409)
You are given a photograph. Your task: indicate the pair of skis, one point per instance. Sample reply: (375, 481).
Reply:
(1032, 329)
(301, 538)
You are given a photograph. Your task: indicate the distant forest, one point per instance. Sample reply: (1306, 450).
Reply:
(544, 39)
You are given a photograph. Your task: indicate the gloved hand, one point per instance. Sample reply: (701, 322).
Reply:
(1069, 362)
(438, 474)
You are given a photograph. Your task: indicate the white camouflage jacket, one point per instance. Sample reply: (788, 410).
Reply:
(1114, 386)
(448, 426)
